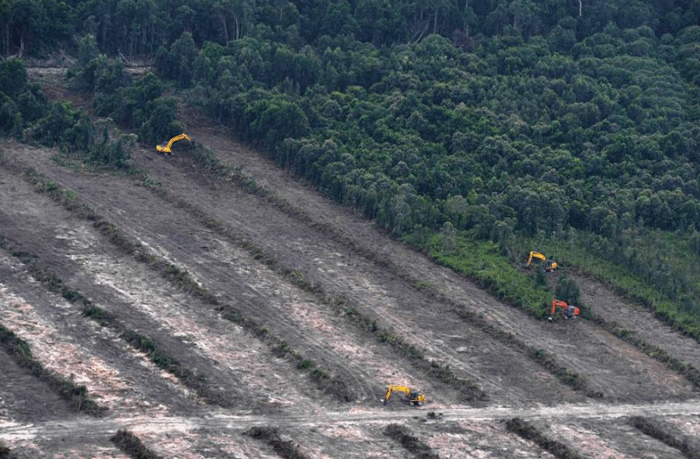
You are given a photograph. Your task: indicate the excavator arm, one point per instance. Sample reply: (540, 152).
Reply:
(536, 255)
(167, 148)
(557, 304)
(549, 265)
(568, 311)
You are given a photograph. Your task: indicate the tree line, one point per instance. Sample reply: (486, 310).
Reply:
(137, 27)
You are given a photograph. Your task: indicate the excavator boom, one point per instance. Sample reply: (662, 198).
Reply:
(167, 148)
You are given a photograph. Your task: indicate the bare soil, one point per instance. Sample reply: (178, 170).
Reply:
(249, 251)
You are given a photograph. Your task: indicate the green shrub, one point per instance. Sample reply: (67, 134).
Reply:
(13, 76)
(567, 290)
(61, 126)
(131, 445)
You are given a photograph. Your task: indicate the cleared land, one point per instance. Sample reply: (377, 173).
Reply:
(215, 307)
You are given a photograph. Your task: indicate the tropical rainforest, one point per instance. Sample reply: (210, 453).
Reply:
(475, 131)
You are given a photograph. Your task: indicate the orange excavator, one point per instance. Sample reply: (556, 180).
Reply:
(569, 311)
(411, 397)
(166, 149)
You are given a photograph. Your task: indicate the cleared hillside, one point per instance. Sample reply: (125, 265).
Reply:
(193, 306)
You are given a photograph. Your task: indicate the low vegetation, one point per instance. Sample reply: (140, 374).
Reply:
(131, 445)
(529, 432)
(689, 446)
(401, 435)
(284, 448)
(5, 452)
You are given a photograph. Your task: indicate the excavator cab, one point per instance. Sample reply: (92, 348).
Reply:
(166, 149)
(549, 265)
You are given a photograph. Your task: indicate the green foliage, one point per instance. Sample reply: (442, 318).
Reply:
(138, 106)
(540, 276)
(62, 126)
(177, 63)
(567, 290)
(109, 147)
(13, 77)
(529, 432)
(131, 445)
(21, 103)
(485, 263)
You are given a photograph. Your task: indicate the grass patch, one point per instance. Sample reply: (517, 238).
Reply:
(130, 445)
(484, 263)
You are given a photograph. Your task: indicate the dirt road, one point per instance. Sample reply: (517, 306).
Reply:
(239, 423)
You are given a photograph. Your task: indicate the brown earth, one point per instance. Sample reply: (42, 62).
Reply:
(294, 263)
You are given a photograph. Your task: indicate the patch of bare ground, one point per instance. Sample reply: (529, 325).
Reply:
(256, 291)
(638, 320)
(467, 439)
(120, 284)
(607, 439)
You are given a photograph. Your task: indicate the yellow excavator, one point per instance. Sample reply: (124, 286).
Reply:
(549, 265)
(411, 397)
(166, 148)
